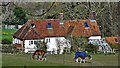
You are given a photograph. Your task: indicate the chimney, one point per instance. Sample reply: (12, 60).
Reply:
(93, 15)
(61, 16)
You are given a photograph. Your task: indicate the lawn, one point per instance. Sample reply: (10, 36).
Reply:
(7, 34)
(0, 59)
(57, 60)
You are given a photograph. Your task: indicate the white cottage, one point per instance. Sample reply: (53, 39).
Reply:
(48, 30)
(53, 32)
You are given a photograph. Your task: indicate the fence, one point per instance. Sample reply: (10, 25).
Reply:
(10, 26)
(9, 48)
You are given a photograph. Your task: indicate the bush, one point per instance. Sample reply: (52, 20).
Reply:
(114, 46)
(6, 41)
(91, 48)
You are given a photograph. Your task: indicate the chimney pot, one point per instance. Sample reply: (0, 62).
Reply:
(93, 15)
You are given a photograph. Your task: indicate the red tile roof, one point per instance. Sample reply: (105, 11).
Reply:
(70, 27)
(113, 40)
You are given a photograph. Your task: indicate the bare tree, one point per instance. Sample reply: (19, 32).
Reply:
(63, 45)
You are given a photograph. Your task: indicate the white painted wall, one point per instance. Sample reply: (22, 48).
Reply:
(19, 26)
(17, 41)
(52, 44)
(30, 46)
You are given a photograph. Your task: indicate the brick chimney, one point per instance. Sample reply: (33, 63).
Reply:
(61, 16)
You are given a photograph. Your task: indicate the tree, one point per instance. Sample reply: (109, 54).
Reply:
(6, 41)
(107, 13)
(20, 16)
(63, 45)
(78, 43)
(81, 44)
(42, 45)
(114, 46)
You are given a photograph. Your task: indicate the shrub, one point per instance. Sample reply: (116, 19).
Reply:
(91, 48)
(115, 46)
(6, 41)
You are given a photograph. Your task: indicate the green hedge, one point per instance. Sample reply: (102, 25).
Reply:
(6, 41)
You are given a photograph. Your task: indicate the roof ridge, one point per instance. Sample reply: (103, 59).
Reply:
(24, 28)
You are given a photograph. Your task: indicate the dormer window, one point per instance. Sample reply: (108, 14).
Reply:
(86, 24)
(116, 40)
(33, 25)
(49, 26)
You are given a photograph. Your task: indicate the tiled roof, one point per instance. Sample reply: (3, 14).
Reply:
(26, 32)
(113, 40)
(70, 27)
(79, 28)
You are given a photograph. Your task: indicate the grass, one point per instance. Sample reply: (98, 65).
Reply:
(0, 59)
(25, 60)
(57, 60)
(7, 34)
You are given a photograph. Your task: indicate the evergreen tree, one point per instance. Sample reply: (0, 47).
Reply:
(20, 16)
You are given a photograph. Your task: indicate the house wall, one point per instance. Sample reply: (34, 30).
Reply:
(30, 45)
(52, 44)
(17, 41)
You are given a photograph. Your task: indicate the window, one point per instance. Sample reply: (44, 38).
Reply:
(36, 42)
(86, 25)
(49, 25)
(93, 27)
(116, 40)
(49, 39)
(33, 25)
(31, 42)
(46, 40)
